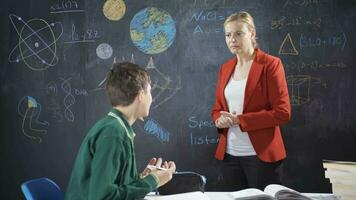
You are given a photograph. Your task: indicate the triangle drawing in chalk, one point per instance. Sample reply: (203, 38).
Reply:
(287, 47)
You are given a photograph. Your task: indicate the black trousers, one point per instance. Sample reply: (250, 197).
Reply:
(249, 172)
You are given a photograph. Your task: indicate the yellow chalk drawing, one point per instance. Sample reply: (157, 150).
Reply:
(299, 87)
(287, 47)
(37, 46)
(114, 9)
(30, 110)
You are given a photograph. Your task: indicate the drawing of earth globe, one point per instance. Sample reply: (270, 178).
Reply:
(152, 30)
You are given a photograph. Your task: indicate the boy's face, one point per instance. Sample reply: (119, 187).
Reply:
(146, 101)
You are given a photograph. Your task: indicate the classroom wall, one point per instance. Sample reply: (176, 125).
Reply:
(54, 57)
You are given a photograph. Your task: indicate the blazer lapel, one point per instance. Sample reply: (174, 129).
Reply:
(253, 77)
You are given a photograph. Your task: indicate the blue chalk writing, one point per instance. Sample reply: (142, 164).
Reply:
(153, 128)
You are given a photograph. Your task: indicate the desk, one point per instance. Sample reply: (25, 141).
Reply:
(314, 196)
(224, 196)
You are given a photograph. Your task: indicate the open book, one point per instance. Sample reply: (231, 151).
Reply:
(271, 192)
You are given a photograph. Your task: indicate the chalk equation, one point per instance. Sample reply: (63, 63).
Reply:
(209, 15)
(77, 36)
(337, 40)
(208, 21)
(314, 65)
(65, 6)
(213, 4)
(303, 3)
(295, 21)
(288, 46)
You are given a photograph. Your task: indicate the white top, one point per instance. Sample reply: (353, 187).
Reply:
(238, 142)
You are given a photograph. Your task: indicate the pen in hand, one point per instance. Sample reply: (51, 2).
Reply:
(152, 167)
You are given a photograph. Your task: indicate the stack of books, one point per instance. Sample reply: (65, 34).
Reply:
(342, 176)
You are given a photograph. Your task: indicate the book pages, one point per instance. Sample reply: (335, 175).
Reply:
(342, 176)
(272, 189)
(250, 193)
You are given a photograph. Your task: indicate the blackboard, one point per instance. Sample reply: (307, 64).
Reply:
(55, 54)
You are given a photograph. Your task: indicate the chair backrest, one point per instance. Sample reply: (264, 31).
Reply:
(42, 189)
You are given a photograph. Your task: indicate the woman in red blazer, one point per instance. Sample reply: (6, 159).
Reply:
(251, 103)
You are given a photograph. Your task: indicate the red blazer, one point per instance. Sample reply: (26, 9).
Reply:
(266, 106)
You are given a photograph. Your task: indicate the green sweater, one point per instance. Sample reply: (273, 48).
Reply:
(105, 167)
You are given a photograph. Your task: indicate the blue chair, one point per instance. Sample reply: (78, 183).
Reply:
(41, 189)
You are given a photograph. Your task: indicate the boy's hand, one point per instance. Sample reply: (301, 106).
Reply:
(152, 162)
(164, 175)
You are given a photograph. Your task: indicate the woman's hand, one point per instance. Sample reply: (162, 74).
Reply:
(227, 120)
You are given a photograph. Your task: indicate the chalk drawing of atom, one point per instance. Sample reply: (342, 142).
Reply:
(36, 45)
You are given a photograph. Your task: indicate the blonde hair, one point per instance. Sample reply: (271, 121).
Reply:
(246, 18)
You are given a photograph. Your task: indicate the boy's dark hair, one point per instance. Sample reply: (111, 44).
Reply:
(124, 81)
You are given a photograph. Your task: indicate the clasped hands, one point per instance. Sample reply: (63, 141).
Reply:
(227, 120)
(162, 171)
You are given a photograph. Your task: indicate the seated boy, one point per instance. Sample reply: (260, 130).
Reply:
(105, 167)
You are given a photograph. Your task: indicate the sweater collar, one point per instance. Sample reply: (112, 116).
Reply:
(122, 117)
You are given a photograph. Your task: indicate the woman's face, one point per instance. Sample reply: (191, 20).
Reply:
(238, 37)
